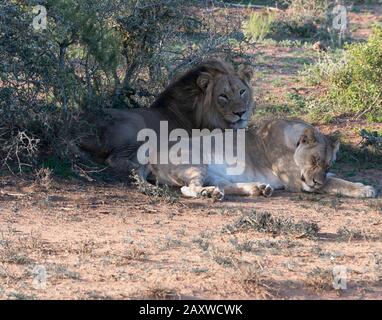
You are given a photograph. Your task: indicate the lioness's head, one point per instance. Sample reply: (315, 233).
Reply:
(227, 98)
(314, 155)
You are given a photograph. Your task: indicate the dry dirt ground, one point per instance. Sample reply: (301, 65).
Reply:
(97, 241)
(71, 239)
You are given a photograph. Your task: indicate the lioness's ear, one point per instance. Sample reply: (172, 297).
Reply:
(245, 72)
(203, 81)
(308, 136)
(334, 140)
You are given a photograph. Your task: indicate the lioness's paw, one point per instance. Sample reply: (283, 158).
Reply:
(367, 192)
(218, 194)
(266, 190)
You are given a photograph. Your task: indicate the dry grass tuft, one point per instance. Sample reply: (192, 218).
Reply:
(264, 222)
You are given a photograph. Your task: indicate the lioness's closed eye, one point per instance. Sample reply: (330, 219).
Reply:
(314, 155)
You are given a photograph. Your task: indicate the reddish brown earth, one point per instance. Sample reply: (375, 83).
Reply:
(110, 241)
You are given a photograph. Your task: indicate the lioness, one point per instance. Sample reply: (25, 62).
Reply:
(280, 154)
(211, 95)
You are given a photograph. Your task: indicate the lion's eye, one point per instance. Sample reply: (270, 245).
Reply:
(242, 92)
(223, 96)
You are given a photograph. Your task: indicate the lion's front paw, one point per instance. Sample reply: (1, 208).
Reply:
(188, 192)
(213, 192)
(266, 190)
(366, 192)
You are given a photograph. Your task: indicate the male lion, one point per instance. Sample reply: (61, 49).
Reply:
(279, 154)
(211, 95)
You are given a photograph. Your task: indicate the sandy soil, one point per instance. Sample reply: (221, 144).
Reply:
(91, 241)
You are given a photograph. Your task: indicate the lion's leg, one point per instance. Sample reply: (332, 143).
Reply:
(248, 189)
(121, 163)
(346, 188)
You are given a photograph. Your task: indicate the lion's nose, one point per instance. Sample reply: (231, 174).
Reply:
(239, 114)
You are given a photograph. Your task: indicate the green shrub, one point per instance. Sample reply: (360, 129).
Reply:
(313, 6)
(295, 23)
(258, 26)
(298, 25)
(353, 80)
(92, 55)
(305, 19)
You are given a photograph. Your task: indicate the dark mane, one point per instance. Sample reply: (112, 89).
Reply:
(184, 102)
(184, 90)
(183, 96)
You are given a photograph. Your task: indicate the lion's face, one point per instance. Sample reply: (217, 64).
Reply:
(229, 98)
(233, 101)
(314, 156)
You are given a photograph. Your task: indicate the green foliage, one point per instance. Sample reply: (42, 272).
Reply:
(366, 155)
(353, 80)
(303, 20)
(47, 77)
(79, 22)
(299, 26)
(59, 167)
(296, 102)
(92, 55)
(371, 138)
(258, 26)
(315, 6)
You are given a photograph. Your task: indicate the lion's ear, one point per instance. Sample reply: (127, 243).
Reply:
(203, 81)
(308, 136)
(245, 73)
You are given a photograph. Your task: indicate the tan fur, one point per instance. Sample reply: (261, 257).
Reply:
(194, 101)
(280, 154)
